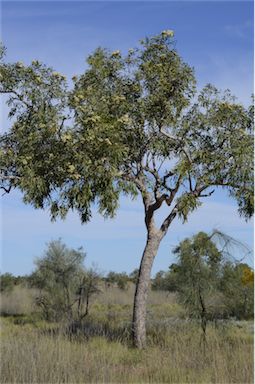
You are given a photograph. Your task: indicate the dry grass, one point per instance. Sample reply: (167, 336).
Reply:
(174, 355)
(117, 305)
(114, 295)
(34, 352)
(17, 302)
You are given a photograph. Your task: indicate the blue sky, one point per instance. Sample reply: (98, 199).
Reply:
(213, 37)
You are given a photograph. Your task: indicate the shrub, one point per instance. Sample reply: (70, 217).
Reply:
(7, 282)
(65, 286)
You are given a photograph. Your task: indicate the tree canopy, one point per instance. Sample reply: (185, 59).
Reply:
(132, 123)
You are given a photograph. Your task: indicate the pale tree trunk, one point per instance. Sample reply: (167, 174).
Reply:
(142, 288)
(154, 237)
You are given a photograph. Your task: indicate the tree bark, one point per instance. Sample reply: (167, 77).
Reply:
(142, 288)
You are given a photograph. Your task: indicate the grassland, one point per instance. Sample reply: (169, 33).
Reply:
(33, 351)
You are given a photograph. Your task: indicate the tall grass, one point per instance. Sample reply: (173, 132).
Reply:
(29, 355)
(20, 300)
(117, 305)
(33, 351)
(114, 295)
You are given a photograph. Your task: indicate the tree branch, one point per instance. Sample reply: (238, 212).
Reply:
(19, 97)
(6, 190)
(169, 174)
(165, 225)
(168, 135)
(9, 177)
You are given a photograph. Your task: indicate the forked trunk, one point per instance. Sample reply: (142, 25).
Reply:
(142, 288)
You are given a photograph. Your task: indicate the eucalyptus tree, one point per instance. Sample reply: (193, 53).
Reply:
(139, 126)
(197, 274)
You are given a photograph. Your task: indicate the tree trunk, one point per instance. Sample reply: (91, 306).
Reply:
(142, 288)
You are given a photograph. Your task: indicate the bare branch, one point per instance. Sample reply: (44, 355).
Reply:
(190, 183)
(169, 174)
(174, 191)
(159, 201)
(207, 194)
(10, 178)
(168, 220)
(225, 184)
(6, 190)
(162, 162)
(139, 183)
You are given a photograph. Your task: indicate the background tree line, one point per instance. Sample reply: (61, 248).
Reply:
(207, 284)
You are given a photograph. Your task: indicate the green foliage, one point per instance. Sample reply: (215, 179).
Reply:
(219, 132)
(65, 286)
(159, 281)
(165, 280)
(7, 282)
(138, 125)
(187, 203)
(196, 273)
(237, 285)
(88, 286)
(31, 153)
(133, 276)
(208, 285)
(120, 279)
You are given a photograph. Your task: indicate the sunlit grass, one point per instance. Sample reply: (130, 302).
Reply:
(19, 301)
(30, 354)
(34, 351)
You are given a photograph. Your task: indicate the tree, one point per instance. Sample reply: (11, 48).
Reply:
(139, 127)
(237, 285)
(7, 282)
(88, 287)
(121, 279)
(197, 274)
(133, 276)
(66, 287)
(208, 283)
(165, 280)
(159, 281)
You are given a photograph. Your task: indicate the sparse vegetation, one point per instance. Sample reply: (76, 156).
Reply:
(36, 351)
(65, 323)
